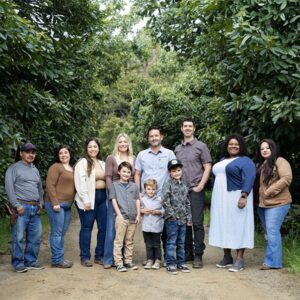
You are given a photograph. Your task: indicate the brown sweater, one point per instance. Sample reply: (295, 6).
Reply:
(111, 170)
(60, 185)
(276, 193)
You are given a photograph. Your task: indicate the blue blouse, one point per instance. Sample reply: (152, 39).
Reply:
(240, 174)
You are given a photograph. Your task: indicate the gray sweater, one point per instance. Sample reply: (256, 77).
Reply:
(23, 181)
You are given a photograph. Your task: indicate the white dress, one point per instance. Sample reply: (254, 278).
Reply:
(230, 226)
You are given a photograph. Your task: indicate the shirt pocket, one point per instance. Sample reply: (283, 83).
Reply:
(163, 162)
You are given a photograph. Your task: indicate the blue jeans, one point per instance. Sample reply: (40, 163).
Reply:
(87, 219)
(271, 219)
(59, 223)
(175, 241)
(108, 258)
(29, 226)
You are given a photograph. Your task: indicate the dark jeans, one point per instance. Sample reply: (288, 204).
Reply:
(153, 247)
(195, 243)
(164, 239)
(175, 242)
(87, 219)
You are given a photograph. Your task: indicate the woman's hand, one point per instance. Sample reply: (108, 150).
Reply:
(87, 206)
(242, 202)
(56, 208)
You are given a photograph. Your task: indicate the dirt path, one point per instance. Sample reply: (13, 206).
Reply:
(97, 283)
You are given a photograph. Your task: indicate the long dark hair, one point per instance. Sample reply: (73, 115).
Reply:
(241, 141)
(269, 165)
(90, 162)
(56, 154)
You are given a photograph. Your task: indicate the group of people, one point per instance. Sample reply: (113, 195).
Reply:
(164, 189)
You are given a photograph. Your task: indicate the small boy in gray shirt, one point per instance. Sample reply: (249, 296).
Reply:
(153, 224)
(126, 203)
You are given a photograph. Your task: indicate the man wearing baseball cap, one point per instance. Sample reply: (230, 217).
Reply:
(24, 189)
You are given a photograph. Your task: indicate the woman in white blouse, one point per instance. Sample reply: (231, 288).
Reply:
(91, 201)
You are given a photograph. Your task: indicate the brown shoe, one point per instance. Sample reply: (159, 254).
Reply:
(265, 267)
(98, 261)
(86, 263)
(197, 263)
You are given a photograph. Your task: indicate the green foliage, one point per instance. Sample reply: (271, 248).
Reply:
(291, 252)
(250, 50)
(57, 58)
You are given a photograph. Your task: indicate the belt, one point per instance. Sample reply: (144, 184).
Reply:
(29, 202)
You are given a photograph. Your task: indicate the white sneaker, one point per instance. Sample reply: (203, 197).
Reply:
(157, 265)
(148, 264)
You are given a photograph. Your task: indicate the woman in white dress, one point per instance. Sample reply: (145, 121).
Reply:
(231, 217)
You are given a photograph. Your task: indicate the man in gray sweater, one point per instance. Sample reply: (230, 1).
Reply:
(24, 189)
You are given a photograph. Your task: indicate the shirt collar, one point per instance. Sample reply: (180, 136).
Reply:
(175, 181)
(193, 141)
(159, 151)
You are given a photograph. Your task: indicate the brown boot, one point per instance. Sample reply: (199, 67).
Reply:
(197, 263)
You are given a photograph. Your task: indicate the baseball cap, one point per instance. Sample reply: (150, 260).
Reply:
(27, 147)
(174, 163)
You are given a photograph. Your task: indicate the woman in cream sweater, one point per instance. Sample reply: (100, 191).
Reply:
(274, 200)
(91, 201)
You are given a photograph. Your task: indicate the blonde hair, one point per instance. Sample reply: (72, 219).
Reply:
(116, 152)
(150, 182)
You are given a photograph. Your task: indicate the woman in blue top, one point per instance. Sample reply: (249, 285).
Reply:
(231, 216)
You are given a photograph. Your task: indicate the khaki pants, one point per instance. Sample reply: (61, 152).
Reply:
(124, 237)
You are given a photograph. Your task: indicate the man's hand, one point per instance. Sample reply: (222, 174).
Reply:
(198, 188)
(189, 223)
(20, 210)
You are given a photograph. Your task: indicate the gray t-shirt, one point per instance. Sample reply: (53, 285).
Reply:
(126, 196)
(23, 182)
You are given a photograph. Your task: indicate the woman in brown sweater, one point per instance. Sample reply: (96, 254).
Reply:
(122, 152)
(59, 198)
(274, 200)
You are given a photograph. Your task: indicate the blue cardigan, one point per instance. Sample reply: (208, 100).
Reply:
(240, 174)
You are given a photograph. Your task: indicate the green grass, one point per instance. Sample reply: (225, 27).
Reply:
(290, 250)
(4, 235)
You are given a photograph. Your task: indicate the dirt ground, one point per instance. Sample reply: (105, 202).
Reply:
(96, 283)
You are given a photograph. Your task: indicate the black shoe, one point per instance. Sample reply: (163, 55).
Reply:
(197, 263)
(184, 268)
(189, 255)
(63, 265)
(36, 266)
(226, 262)
(21, 269)
(172, 270)
(131, 266)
